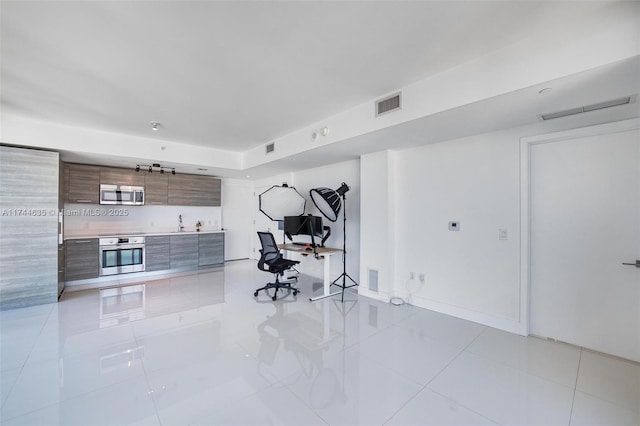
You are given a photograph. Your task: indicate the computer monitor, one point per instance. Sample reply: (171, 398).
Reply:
(303, 225)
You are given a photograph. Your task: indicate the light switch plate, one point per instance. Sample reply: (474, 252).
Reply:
(454, 226)
(503, 234)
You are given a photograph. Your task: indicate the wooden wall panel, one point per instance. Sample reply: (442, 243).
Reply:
(28, 227)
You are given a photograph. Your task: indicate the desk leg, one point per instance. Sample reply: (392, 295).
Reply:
(326, 280)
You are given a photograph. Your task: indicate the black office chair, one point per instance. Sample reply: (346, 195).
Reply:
(271, 260)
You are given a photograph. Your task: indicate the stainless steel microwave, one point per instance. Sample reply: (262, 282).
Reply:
(121, 194)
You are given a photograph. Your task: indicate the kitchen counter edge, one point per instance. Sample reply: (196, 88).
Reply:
(145, 234)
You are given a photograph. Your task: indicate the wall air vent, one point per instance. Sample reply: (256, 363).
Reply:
(593, 107)
(388, 104)
(270, 147)
(373, 280)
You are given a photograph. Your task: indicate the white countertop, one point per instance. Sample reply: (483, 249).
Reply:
(142, 234)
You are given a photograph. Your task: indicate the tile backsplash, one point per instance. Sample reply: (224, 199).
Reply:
(92, 219)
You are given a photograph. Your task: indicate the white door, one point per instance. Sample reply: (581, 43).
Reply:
(585, 222)
(237, 218)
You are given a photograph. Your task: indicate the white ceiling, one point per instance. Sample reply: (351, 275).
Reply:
(234, 75)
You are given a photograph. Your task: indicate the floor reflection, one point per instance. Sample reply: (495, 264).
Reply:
(200, 349)
(122, 304)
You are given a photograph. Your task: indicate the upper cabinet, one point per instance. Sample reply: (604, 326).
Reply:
(194, 190)
(156, 187)
(82, 184)
(114, 176)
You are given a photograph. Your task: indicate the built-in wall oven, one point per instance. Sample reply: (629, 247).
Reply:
(121, 255)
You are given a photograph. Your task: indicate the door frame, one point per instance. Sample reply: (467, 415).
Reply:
(525, 199)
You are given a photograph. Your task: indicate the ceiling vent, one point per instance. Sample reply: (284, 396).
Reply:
(388, 104)
(593, 107)
(270, 148)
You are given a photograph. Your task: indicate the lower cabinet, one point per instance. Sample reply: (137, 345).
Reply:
(158, 253)
(210, 249)
(82, 259)
(184, 251)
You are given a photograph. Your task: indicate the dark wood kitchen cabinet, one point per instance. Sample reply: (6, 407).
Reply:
(118, 176)
(193, 190)
(82, 184)
(82, 259)
(210, 249)
(184, 251)
(156, 186)
(158, 253)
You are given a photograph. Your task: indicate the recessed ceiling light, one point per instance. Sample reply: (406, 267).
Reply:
(248, 176)
(155, 125)
(545, 90)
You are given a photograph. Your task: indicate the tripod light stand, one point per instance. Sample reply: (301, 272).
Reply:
(329, 202)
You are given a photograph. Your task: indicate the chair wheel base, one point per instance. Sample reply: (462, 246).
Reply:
(277, 287)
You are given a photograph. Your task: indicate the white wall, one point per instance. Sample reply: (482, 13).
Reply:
(470, 273)
(146, 219)
(377, 226)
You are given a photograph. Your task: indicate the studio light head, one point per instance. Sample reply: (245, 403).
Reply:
(329, 201)
(280, 201)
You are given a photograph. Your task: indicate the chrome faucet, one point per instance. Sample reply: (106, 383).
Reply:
(180, 225)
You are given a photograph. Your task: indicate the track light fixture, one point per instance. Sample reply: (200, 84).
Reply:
(155, 166)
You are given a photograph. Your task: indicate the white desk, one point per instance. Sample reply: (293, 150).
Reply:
(324, 253)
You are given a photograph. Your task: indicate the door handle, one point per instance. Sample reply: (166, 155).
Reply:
(637, 264)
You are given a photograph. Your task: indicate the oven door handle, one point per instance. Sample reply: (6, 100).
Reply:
(121, 246)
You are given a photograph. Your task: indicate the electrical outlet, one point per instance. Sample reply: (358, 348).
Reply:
(421, 277)
(412, 275)
(209, 222)
(152, 224)
(503, 234)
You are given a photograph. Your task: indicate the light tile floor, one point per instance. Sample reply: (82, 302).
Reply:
(199, 349)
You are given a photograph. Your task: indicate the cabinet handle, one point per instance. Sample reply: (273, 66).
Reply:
(82, 241)
(85, 201)
(60, 271)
